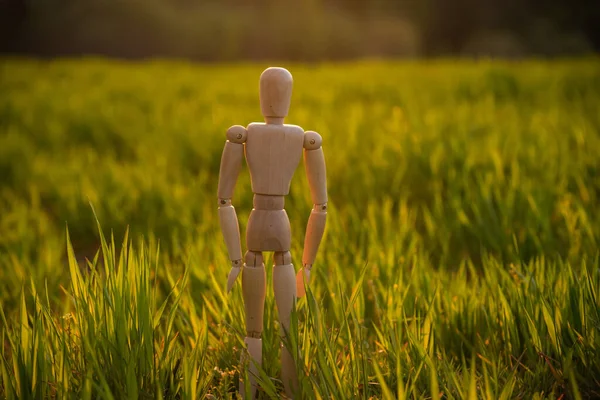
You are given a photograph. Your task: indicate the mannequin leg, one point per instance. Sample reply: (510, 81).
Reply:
(284, 286)
(253, 288)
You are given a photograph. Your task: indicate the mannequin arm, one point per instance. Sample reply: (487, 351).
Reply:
(231, 164)
(314, 162)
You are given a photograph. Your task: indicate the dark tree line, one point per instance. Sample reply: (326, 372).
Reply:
(443, 27)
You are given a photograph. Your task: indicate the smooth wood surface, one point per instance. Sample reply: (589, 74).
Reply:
(266, 202)
(275, 89)
(254, 348)
(314, 163)
(254, 289)
(302, 280)
(231, 164)
(268, 230)
(312, 140)
(273, 153)
(237, 134)
(234, 272)
(284, 283)
(314, 234)
(230, 230)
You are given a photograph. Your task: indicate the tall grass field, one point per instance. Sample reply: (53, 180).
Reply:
(461, 256)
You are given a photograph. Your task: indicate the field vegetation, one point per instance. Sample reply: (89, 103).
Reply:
(460, 260)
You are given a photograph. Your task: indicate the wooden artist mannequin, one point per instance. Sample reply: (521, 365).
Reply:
(273, 151)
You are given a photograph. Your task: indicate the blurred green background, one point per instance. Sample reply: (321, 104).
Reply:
(215, 30)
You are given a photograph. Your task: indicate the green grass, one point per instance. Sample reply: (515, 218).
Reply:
(460, 259)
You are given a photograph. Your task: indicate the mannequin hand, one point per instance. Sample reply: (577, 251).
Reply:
(236, 268)
(302, 279)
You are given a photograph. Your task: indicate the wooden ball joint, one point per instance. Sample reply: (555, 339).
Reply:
(273, 151)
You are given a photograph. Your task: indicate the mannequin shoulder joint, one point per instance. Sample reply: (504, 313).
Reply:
(237, 134)
(312, 140)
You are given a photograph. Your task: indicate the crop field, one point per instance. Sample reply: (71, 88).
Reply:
(461, 257)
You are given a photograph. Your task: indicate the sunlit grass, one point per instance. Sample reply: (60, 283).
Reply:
(461, 254)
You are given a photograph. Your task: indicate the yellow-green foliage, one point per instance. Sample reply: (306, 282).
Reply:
(461, 252)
